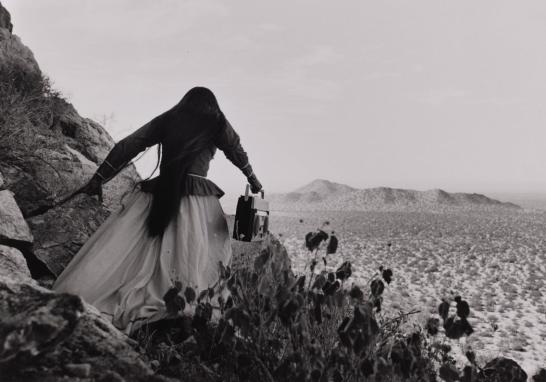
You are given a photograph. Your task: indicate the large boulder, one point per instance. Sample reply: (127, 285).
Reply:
(15, 232)
(47, 336)
(41, 178)
(268, 258)
(84, 134)
(245, 253)
(89, 143)
(13, 227)
(13, 265)
(61, 231)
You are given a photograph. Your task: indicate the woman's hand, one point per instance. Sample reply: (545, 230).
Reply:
(93, 187)
(255, 185)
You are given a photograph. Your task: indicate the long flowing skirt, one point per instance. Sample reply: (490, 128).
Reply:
(124, 273)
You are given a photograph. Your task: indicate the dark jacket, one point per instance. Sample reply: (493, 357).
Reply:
(196, 183)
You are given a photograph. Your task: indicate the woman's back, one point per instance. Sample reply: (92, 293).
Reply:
(201, 163)
(175, 230)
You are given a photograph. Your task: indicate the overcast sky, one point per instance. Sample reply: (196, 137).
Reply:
(409, 94)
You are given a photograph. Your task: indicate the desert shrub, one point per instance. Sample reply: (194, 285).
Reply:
(265, 323)
(273, 325)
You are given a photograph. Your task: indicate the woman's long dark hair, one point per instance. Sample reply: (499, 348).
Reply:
(187, 128)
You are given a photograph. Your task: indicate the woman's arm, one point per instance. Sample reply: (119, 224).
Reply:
(126, 149)
(230, 143)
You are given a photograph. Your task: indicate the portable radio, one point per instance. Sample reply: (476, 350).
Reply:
(251, 217)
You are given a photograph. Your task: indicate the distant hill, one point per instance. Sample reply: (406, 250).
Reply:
(318, 191)
(323, 195)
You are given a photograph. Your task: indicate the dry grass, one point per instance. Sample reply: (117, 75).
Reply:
(27, 103)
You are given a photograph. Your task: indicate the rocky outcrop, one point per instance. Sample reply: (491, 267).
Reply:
(42, 331)
(52, 151)
(47, 151)
(42, 176)
(83, 134)
(15, 232)
(245, 253)
(58, 335)
(11, 47)
(47, 336)
(61, 231)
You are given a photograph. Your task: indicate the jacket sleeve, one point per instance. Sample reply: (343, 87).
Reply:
(126, 149)
(229, 142)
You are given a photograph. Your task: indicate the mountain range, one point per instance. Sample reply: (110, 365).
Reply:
(323, 195)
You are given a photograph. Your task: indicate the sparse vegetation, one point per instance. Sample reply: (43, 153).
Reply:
(470, 253)
(27, 102)
(282, 327)
(318, 325)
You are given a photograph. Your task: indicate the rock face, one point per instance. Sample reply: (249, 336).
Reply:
(61, 231)
(41, 176)
(15, 232)
(40, 331)
(13, 265)
(12, 225)
(245, 253)
(11, 47)
(5, 20)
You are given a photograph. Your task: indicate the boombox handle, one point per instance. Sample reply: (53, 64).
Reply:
(247, 190)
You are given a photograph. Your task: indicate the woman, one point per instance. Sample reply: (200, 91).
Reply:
(171, 227)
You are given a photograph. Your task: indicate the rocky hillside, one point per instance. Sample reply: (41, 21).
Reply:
(323, 195)
(47, 150)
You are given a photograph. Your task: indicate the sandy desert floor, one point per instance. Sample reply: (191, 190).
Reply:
(495, 261)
